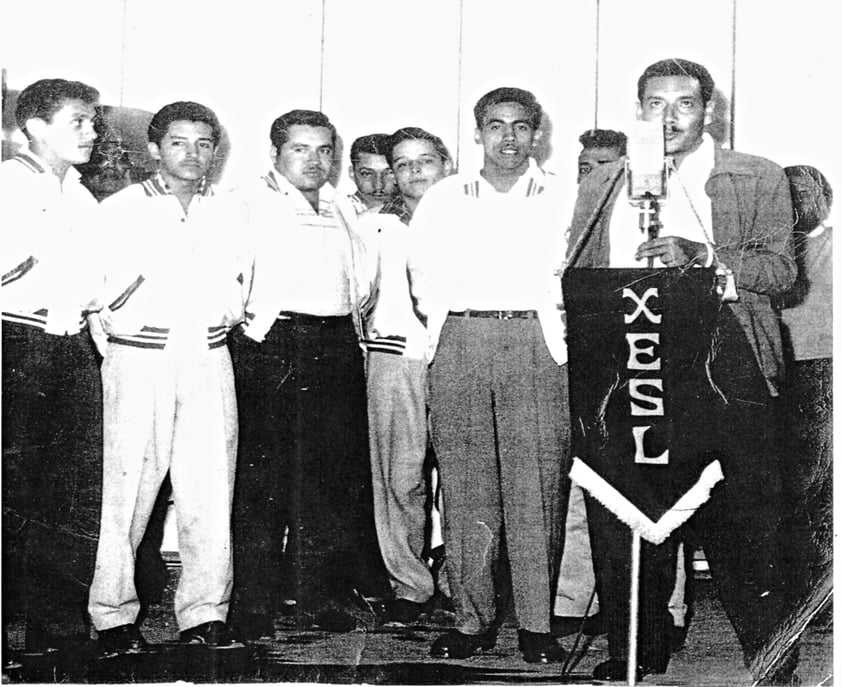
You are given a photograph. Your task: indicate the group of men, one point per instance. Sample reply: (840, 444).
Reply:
(278, 351)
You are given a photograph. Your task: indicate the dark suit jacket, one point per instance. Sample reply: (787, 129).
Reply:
(752, 231)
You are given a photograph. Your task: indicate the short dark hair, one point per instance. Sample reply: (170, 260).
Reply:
(675, 66)
(812, 196)
(604, 138)
(412, 133)
(185, 111)
(373, 144)
(508, 95)
(279, 133)
(42, 99)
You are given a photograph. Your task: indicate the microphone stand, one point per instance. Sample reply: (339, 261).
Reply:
(650, 221)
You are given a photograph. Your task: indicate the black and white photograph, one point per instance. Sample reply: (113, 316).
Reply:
(418, 343)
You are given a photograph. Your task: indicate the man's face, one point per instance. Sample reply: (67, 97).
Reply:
(70, 135)
(185, 152)
(805, 202)
(507, 136)
(676, 102)
(306, 158)
(374, 178)
(418, 166)
(590, 158)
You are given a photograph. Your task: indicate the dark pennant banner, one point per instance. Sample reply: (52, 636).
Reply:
(641, 402)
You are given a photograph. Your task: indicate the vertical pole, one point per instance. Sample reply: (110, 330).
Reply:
(322, 58)
(634, 604)
(596, 72)
(459, 84)
(732, 114)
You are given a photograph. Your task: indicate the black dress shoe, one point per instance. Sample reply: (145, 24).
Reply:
(214, 635)
(539, 647)
(617, 669)
(455, 644)
(123, 639)
(402, 611)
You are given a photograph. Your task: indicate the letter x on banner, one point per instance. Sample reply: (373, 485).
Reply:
(642, 404)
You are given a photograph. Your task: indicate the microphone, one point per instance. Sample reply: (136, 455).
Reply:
(646, 175)
(646, 170)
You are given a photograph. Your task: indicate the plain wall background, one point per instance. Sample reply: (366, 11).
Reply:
(376, 65)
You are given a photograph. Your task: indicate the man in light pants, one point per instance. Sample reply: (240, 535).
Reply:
(174, 285)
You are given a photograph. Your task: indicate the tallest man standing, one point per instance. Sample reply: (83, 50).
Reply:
(732, 211)
(483, 270)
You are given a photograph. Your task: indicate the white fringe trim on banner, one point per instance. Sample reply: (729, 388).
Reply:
(625, 510)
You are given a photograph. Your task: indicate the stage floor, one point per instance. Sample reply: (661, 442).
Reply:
(394, 655)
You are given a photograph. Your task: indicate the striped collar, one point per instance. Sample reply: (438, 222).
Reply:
(531, 183)
(280, 184)
(156, 186)
(31, 161)
(37, 165)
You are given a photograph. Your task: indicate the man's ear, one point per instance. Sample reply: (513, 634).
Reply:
(352, 173)
(35, 126)
(154, 150)
(477, 136)
(448, 168)
(536, 137)
(638, 110)
(709, 108)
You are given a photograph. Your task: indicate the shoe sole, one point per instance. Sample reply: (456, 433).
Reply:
(487, 646)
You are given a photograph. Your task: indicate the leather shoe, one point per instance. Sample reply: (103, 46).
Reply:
(614, 669)
(617, 669)
(214, 634)
(123, 639)
(402, 611)
(539, 647)
(455, 644)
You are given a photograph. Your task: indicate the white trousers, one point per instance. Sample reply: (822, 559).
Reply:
(576, 577)
(167, 411)
(397, 421)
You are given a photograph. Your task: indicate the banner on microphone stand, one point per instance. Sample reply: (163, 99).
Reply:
(642, 404)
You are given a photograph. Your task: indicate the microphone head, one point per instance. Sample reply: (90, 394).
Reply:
(646, 172)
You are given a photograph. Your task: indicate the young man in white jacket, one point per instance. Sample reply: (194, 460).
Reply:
(396, 341)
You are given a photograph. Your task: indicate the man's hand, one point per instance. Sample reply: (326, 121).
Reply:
(98, 329)
(673, 251)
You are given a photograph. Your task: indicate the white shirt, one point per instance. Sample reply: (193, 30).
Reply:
(194, 266)
(474, 247)
(387, 242)
(49, 246)
(306, 262)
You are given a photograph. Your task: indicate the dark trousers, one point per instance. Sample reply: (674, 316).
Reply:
(807, 415)
(741, 527)
(52, 476)
(303, 468)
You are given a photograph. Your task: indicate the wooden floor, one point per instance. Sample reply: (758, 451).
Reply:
(394, 655)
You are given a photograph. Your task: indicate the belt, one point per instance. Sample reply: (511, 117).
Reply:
(304, 318)
(498, 314)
